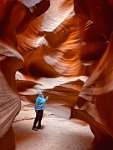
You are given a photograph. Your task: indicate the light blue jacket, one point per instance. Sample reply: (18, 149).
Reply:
(40, 102)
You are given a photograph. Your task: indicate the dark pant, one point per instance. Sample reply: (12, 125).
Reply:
(38, 118)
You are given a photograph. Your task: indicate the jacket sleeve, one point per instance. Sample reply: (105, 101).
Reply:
(37, 101)
(46, 98)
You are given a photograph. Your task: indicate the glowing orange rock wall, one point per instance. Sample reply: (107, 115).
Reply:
(56, 41)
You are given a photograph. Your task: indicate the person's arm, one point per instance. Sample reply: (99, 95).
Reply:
(46, 98)
(37, 102)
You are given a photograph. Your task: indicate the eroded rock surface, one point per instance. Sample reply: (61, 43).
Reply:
(52, 43)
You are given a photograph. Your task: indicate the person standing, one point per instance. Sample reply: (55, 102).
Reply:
(39, 109)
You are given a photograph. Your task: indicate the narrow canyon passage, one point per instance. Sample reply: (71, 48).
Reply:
(59, 133)
(64, 49)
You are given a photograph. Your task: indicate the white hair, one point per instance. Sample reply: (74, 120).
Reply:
(39, 93)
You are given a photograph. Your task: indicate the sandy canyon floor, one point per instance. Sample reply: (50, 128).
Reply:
(59, 132)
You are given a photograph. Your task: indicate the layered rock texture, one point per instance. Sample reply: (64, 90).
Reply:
(63, 48)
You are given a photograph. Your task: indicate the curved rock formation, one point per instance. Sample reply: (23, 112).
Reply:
(95, 99)
(57, 46)
(9, 99)
(11, 26)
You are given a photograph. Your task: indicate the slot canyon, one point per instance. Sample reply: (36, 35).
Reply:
(62, 48)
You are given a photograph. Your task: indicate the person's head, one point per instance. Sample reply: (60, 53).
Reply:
(40, 93)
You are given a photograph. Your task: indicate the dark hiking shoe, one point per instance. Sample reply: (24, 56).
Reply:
(34, 128)
(40, 127)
